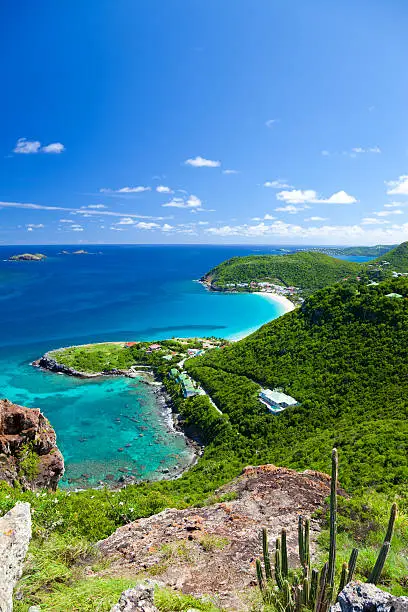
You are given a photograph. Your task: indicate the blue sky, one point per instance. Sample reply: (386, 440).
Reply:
(192, 121)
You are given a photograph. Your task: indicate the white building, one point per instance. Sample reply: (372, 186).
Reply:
(275, 400)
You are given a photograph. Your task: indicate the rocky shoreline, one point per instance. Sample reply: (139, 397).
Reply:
(173, 420)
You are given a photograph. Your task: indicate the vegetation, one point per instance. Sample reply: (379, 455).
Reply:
(343, 356)
(310, 588)
(29, 462)
(397, 258)
(306, 270)
(361, 251)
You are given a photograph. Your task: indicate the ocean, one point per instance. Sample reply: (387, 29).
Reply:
(113, 293)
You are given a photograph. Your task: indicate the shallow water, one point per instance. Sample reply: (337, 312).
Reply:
(121, 293)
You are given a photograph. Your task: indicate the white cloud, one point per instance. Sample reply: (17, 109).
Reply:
(96, 206)
(268, 217)
(203, 223)
(115, 229)
(138, 189)
(373, 221)
(201, 162)
(66, 220)
(167, 228)
(278, 184)
(34, 146)
(325, 234)
(398, 187)
(126, 221)
(395, 204)
(316, 219)
(292, 210)
(270, 122)
(147, 226)
(74, 211)
(76, 228)
(387, 213)
(53, 147)
(34, 226)
(192, 202)
(228, 171)
(301, 196)
(375, 149)
(163, 189)
(27, 146)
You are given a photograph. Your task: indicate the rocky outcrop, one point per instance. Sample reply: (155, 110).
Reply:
(15, 535)
(365, 597)
(212, 550)
(138, 599)
(28, 451)
(28, 257)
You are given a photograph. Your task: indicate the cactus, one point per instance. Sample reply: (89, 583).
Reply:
(306, 543)
(287, 595)
(314, 590)
(265, 548)
(314, 585)
(278, 568)
(382, 556)
(379, 564)
(391, 523)
(343, 577)
(333, 520)
(259, 575)
(284, 554)
(301, 540)
(306, 591)
(352, 564)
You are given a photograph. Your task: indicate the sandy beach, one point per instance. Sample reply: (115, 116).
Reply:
(281, 299)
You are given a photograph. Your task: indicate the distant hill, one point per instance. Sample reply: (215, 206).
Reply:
(308, 270)
(397, 258)
(362, 251)
(344, 357)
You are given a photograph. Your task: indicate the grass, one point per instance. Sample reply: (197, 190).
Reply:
(213, 542)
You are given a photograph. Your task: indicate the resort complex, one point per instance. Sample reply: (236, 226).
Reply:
(276, 400)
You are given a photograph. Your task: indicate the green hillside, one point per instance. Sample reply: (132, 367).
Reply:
(344, 357)
(397, 258)
(306, 270)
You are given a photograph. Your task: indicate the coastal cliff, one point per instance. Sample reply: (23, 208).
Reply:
(29, 454)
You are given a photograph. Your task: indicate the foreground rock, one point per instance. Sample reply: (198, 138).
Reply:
(212, 550)
(364, 597)
(15, 535)
(138, 599)
(28, 450)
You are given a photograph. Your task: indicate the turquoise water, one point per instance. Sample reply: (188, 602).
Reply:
(121, 293)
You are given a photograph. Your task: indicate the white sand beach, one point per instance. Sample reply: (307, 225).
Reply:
(281, 299)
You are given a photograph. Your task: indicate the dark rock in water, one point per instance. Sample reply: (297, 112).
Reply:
(123, 470)
(26, 433)
(128, 445)
(109, 477)
(85, 476)
(120, 450)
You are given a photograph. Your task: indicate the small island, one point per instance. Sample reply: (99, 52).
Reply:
(28, 257)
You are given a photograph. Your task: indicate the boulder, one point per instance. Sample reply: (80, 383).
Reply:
(15, 535)
(138, 599)
(28, 450)
(212, 550)
(365, 597)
